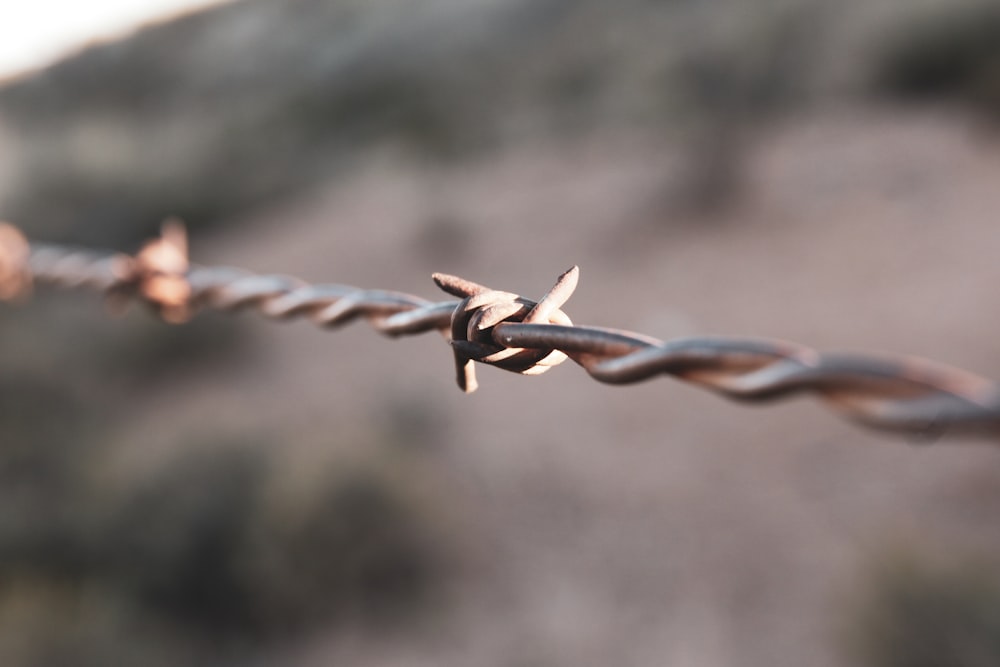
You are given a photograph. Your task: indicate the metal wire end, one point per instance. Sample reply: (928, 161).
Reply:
(456, 286)
(555, 298)
(15, 272)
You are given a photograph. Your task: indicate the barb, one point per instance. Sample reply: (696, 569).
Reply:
(15, 279)
(523, 336)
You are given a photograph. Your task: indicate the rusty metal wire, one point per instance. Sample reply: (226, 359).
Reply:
(523, 336)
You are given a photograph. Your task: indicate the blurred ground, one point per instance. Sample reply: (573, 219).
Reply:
(314, 497)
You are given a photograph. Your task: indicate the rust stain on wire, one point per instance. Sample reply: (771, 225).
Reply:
(517, 334)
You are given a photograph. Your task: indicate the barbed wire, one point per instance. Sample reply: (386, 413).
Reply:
(517, 334)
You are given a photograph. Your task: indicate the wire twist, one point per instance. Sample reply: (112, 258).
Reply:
(517, 334)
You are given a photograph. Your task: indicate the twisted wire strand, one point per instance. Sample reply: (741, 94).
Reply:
(520, 335)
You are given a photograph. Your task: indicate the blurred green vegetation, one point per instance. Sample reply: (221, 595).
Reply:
(223, 111)
(220, 547)
(187, 119)
(912, 612)
(948, 53)
(204, 546)
(202, 554)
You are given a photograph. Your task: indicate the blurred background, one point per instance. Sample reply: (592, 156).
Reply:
(235, 492)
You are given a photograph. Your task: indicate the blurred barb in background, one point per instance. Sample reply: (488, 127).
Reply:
(234, 492)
